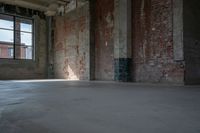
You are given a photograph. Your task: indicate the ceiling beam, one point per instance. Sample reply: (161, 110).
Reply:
(26, 4)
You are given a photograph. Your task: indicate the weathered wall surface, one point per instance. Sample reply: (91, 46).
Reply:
(123, 40)
(153, 43)
(28, 69)
(104, 40)
(191, 21)
(71, 46)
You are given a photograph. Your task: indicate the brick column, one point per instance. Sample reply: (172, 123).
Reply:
(122, 40)
(17, 40)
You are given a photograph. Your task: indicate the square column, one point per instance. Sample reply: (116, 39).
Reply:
(123, 40)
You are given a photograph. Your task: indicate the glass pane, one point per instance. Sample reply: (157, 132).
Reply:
(26, 27)
(6, 36)
(6, 22)
(6, 50)
(23, 52)
(26, 38)
(24, 24)
(29, 53)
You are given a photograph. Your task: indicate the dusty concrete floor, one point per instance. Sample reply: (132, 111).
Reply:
(97, 107)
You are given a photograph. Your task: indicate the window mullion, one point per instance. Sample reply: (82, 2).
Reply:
(14, 38)
(6, 29)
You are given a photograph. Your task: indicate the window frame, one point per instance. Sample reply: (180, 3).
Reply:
(14, 35)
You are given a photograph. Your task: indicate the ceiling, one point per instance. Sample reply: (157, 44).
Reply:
(41, 2)
(50, 7)
(41, 5)
(47, 2)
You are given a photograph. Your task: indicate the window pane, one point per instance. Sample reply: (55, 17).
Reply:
(28, 53)
(6, 36)
(23, 47)
(26, 27)
(6, 50)
(10, 52)
(26, 38)
(23, 52)
(6, 22)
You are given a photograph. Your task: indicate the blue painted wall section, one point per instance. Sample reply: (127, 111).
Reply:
(122, 69)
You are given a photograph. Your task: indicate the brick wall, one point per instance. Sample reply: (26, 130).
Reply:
(104, 40)
(153, 42)
(71, 45)
(6, 53)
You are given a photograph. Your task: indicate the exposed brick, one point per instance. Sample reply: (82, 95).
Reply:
(104, 40)
(71, 50)
(152, 45)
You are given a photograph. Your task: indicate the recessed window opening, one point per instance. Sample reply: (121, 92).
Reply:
(16, 37)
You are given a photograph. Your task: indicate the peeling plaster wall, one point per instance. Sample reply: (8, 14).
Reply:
(191, 22)
(153, 43)
(104, 40)
(71, 45)
(28, 69)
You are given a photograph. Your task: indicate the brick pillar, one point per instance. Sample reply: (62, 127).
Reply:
(17, 40)
(122, 40)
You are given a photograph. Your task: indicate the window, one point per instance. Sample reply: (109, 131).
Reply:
(16, 37)
(10, 52)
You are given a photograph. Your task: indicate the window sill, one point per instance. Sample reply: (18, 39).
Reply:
(17, 61)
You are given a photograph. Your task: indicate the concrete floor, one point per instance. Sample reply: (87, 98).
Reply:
(98, 107)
